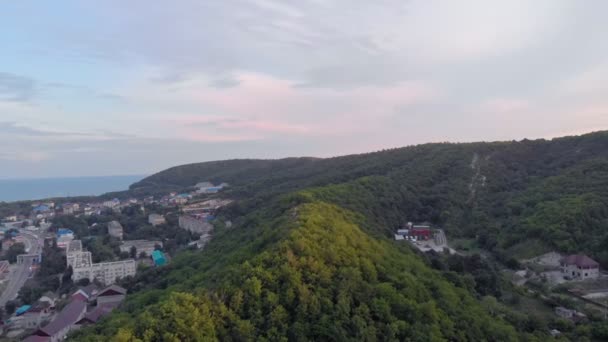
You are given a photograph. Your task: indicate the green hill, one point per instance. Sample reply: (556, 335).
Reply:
(308, 256)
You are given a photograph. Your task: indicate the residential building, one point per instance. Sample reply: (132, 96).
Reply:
(12, 218)
(209, 188)
(580, 267)
(32, 318)
(200, 225)
(63, 323)
(111, 204)
(115, 229)
(156, 219)
(146, 246)
(106, 272)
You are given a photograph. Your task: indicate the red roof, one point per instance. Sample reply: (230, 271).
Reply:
(580, 260)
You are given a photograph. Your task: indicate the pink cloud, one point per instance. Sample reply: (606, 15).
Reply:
(504, 105)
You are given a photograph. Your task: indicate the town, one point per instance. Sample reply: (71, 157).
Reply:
(62, 264)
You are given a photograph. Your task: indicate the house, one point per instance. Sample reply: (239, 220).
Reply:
(156, 219)
(65, 232)
(70, 208)
(115, 229)
(12, 218)
(111, 295)
(209, 188)
(32, 318)
(159, 258)
(95, 315)
(579, 267)
(421, 232)
(63, 323)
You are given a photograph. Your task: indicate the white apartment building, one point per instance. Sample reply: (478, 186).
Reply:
(106, 272)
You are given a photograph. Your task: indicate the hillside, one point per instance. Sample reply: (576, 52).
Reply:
(308, 256)
(499, 193)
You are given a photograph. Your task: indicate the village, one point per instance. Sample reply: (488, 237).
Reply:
(567, 286)
(110, 242)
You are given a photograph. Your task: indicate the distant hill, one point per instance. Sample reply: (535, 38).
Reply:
(308, 256)
(500, 191)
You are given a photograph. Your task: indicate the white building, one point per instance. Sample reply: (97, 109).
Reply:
(195, 225)
(106, 272)
(115, 229)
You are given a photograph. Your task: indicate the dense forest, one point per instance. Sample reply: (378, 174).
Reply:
(308, 256)
(506, 195)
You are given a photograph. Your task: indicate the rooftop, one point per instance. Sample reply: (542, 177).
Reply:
(68, 316)
(580, 260)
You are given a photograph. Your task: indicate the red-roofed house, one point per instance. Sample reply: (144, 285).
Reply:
(580, 267)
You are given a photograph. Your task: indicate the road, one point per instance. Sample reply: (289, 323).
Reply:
(20, 273)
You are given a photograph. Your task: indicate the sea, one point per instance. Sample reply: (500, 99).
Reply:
(40, 188)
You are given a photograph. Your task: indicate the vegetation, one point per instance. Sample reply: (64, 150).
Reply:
(308, 255)
(326, 280)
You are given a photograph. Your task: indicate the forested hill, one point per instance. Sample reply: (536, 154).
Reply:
(308, 259)
(503, 193)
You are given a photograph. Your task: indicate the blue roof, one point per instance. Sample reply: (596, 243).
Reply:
(158, 257)
(41, 208)
(64, 231)
(23, 309)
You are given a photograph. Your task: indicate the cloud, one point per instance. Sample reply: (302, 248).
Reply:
(20, 131)
(16, 88)
(25, 156)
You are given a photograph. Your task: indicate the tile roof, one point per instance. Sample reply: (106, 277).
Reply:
(68, 316)
(580, 260)
(112, 290)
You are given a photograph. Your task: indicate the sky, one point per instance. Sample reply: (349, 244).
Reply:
(132, 87)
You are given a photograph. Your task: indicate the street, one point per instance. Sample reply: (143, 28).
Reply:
(20, 273)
